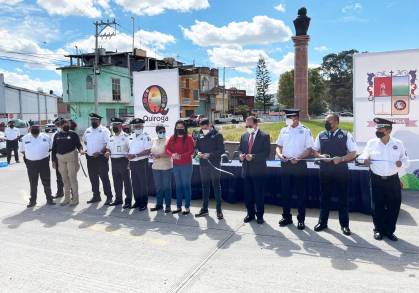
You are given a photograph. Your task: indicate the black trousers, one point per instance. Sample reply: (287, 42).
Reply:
(210, 177)
(12, 146)
(60, 183)
(36, 169)
(386, 201)
(121, 179)
(254, 187)
(99, 168)
(293, 176)
(334, 181)
(139, 177)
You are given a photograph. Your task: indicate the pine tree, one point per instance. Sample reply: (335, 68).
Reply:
(263, 81)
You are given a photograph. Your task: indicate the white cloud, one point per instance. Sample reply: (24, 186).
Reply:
(155, 7)
(87, 8)
(150, 41)
(25, 81)
(280, 7)
(261, 30)
(242, 83)
(10, 2)
(321, 49)
(353, 7)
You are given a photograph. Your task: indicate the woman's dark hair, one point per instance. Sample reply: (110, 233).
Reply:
(184, 136)
(159, 128)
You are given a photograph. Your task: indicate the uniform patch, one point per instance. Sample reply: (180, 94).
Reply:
(44, 139)
(26, 142)
(340, 136)
(395, 147)
(301, 131)
(68, 137)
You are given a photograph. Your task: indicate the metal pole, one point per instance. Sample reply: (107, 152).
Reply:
(133, 31)
(95, 67)
(224, 87)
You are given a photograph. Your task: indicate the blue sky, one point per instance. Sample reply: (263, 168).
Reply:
(232, 33)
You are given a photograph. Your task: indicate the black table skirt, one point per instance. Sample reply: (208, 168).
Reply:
(232, 188)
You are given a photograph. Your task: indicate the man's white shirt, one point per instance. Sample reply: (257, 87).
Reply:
(96, 139)
(11, 133)
(294, 140)
(35, 148)
(119, 145)
(139, 143)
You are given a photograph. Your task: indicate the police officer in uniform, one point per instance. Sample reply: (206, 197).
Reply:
(139, 151)
(385, 155)
(12, 135)
(117, 150)
(293, 145)
(60, 184)
(96, 139)
(340, 147)
(35, 147)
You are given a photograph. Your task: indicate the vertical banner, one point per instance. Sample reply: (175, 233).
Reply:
(156, 99)
(386, 85)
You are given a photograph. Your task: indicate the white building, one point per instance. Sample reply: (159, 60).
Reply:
(21, 103)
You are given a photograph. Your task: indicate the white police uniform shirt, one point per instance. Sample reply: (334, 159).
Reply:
(96, 139)
(350, 142)
(11, 133)
(119, 145)
(386, 155)
(294, 140)
(35, 148)
(139, 143)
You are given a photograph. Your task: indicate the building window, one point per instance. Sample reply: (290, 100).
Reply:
(89, 82)
(196, 95)
(116, 89)
(187, 83)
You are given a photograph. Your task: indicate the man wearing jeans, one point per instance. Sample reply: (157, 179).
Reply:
(210, 146)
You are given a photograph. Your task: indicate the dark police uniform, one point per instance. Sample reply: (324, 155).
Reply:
(118, 147)
(36, 155)
(60, 183)
(334, 177)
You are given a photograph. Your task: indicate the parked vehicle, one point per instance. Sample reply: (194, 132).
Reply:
(22, 125)
(2, 144)
(346, 114)
(50, 128)
(229, 118)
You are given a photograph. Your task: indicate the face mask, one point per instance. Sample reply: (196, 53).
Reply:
(379, 134)
(66, 128)
(250, 130)
(161, 135)
(115, 129)
(127, 130)
(180, 131)
(138, 131)
(288, 122)
(12, 126)
(59, 129)
(94, 124)
(327, 126)
(35, 131)
(205, 131)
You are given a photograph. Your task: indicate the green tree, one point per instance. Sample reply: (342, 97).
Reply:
(286, 89)
(263, 81)
(337, 70)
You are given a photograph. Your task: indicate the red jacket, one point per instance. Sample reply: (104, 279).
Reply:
(185, 150)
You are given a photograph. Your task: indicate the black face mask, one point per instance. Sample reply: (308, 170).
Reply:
(327, 126)
(115, 129)
(180, 131)
(379, 134)
(12, 126)
(35, 131)
(66, 128)
(94, 124)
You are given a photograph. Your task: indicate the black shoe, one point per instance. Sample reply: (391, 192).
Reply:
(320, 227)
(142, 208)
(115, 203)
(167, 210)
(108, 202)
(186, 212)
(248, 219)
(202, 213)
(94, 199)
(156, 208)
(378, 235)
(177, 211)
(51, 203)
(346, 231)
(58, 195)
(135, 206)
(126, 206)
(392, 237)
(301, 226)
(220, 215)
(260, 221)
(17, 162)
(284, 222)
(31, 204)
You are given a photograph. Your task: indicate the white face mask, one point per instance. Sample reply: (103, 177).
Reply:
(205, 131)
(250, 130)
(138, 131)
(288, 122)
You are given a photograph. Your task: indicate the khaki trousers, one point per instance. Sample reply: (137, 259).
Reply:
(68, 165)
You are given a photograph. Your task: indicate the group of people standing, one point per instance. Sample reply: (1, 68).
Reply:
(172, 157)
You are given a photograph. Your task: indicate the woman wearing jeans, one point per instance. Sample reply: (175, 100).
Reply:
(181, 148)
(162, 171)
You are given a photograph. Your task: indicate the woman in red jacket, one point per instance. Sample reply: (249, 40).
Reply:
(181, 148)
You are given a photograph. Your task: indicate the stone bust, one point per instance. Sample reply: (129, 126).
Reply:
(302, 22)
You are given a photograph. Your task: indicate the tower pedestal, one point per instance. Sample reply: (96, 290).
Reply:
(301, 75)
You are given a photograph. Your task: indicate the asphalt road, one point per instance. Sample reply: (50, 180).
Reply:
(92, 248)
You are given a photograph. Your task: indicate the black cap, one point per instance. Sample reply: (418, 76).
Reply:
(58, 120)
(116, 120)
(383, 123)
(137, 121)
(289, 113)
(95, 116)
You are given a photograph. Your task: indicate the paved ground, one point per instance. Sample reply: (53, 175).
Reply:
(99, 249)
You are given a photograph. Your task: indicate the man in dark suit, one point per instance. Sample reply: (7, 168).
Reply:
(254, 151)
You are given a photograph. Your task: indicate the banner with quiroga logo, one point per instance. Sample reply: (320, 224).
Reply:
(156, 99)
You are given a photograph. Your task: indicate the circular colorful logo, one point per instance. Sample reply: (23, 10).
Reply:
(400, 105)
(155, 100)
